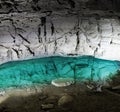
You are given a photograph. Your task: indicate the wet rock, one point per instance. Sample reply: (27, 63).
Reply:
(62, 82)
(65, 100)
(51, 99)
(43, 97)
(47, 106)
(116, 87)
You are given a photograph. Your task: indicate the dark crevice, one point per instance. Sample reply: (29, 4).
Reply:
(31, 52)
(16, 52)
(111, 42)
(14, 39)
(55, 48)
(99, 45)
(43, 23)
(52, 29)
(20, 29)
(45, 48)
(7, 19)
(78, 41)
(24, 38)
(45, 32)
(71, 54)
(71, 3)
(39, 31)
(39, 34)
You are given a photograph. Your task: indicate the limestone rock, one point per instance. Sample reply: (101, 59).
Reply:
(64, 27)
(62, 82)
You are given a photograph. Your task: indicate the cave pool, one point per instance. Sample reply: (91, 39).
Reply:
(44, 70)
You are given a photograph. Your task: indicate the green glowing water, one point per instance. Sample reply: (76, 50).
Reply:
(43, 70)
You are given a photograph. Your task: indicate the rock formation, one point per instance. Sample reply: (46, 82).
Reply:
(34, 28)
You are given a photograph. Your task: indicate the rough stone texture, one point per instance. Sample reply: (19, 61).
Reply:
(33, 28)
(65, 100)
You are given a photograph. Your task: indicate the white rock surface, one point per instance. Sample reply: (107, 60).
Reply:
(62, 82)
(51, 28)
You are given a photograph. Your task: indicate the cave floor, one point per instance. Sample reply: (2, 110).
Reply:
(47, 99)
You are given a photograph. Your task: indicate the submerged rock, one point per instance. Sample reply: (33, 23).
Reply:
(62, 82)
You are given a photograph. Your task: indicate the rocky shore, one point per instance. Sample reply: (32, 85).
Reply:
(47, 98)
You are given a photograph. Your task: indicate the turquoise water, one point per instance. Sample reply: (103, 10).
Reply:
(43, 70)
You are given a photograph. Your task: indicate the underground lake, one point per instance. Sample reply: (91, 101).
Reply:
(44, 70)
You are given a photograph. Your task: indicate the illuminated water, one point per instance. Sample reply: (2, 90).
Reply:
(43, 70)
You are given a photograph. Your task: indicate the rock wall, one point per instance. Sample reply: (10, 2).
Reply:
(36, 28)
